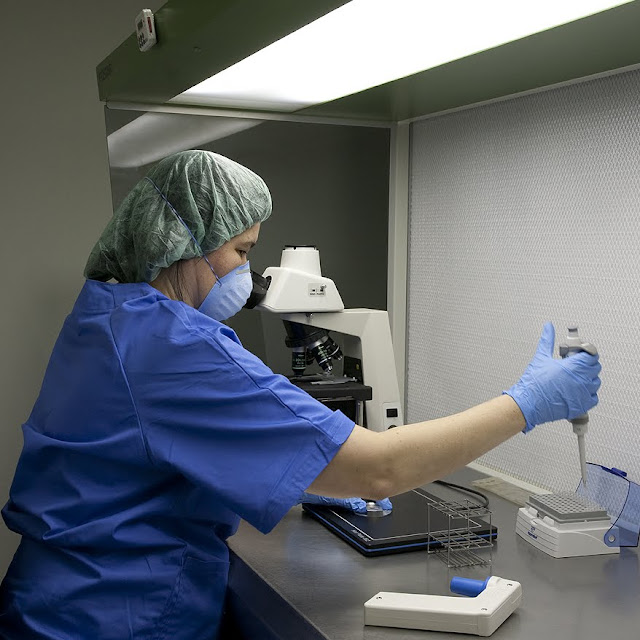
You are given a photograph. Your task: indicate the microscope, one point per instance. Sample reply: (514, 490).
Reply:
(311, 307)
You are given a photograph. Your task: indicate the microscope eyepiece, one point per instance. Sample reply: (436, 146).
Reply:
(259, 290)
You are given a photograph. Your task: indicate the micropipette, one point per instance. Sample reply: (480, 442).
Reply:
(580, 424)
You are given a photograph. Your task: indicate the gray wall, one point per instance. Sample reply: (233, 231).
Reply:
(525, 211)
(55, 187)
(330, 188)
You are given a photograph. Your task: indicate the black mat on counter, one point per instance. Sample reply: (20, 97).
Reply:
(404, 529)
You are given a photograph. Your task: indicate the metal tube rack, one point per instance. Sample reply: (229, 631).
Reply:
(457, 544)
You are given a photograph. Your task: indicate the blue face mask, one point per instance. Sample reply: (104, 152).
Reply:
(229, 294)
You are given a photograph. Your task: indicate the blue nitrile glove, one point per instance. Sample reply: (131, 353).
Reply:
(357, 505)
(556, 389)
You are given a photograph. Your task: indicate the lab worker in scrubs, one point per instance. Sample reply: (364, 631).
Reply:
(155, 431)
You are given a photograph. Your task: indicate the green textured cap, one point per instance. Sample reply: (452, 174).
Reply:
(216, 197)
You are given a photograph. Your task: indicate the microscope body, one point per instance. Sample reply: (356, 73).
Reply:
(366, 338)
(310, 306)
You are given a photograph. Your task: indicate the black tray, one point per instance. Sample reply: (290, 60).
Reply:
(404, 529)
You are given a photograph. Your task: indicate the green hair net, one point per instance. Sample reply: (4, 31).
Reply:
(216, 197)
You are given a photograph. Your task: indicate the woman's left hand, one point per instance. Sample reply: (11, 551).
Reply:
(357, 505)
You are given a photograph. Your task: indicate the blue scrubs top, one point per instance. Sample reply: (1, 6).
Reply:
(153, 434)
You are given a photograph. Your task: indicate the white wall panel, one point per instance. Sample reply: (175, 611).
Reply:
(524, 211)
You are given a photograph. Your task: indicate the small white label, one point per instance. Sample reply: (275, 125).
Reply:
(145, 29)
(317, 289)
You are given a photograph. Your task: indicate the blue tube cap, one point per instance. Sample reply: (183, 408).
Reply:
(468, 587)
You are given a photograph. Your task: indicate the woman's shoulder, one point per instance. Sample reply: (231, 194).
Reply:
(164, 325)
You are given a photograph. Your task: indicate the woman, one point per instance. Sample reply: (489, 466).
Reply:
(155, 431)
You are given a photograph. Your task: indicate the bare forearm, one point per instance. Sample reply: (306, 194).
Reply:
(377, 465)
(423, 452)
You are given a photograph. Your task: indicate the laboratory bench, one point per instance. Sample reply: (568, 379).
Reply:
(302, 582)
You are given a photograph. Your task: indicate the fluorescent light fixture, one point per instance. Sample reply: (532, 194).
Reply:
(366, 43)
(153, 136)
(360, 45)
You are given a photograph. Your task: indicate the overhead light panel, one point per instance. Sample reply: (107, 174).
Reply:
(153, 136)
(366, 43)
